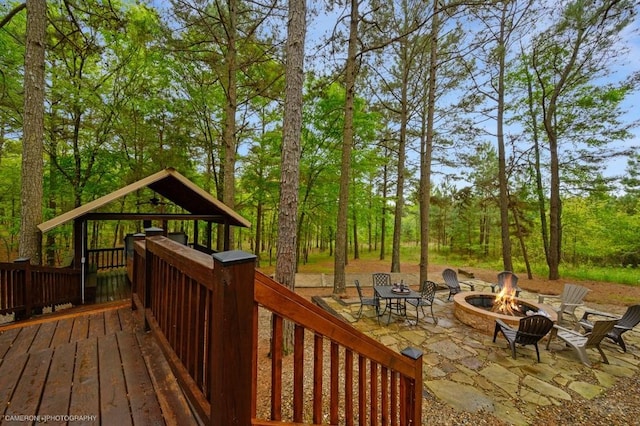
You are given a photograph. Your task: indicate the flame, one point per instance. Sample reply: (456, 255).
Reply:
(505, 302)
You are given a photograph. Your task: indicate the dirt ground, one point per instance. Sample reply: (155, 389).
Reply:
(604, 294)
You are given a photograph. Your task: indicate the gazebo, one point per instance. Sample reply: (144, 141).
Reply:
(197, 205)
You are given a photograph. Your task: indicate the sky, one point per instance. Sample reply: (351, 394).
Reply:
(325, 23)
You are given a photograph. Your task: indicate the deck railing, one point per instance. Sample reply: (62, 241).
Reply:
(106, 258)
(26, 288)
(205, 312)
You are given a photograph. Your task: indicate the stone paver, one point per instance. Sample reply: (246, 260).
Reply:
(465, 369)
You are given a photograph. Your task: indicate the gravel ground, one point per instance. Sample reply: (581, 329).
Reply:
(619, 405)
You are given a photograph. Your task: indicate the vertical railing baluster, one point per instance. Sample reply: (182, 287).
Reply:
(317, 377)
(276, 368)
(298, 373)
(334, 400)
(348, 387)
(362, 389)
(384, 397)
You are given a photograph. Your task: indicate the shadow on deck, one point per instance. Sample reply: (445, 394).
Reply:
(90, 367)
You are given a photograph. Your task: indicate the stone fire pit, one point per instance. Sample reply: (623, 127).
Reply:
(473, 308)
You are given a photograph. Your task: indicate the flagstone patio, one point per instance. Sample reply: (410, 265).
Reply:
(466, 370)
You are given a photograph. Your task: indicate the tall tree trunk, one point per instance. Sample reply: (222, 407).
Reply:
(383, 210)
(555, 211)
(542, 209)
(356, 250)
(231, 106)
(258, 236)
(502, 167)
(521, 239)
(33, 133)
(426, 148)
(550, 105)
(50, 252)
(291, 149)
(402, 154)
(340, 259)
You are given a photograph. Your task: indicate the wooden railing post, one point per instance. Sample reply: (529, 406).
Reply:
(27, 290)
(413, 397)
(232, 344)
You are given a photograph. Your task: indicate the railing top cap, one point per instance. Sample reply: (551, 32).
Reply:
(412, 353)
(233, 256)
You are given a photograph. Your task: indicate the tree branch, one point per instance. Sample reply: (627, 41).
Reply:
(11, 14)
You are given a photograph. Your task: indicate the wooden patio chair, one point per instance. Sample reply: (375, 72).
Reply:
(581, 342)
(367, 301)
(427, 294)
(503, 278)
(450, 278)
(571, 297)
(630, 319)
(530, 331)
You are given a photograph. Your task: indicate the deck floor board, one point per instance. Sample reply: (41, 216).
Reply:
(43, 337)
(57, 390)
(85, 396)
(63, 332)
(144, 403)
(80, 329)
(97, 364)
(114, 405)
(6, 340)
(22, 342)
(96, 325)
(10, 371)
(26, 397)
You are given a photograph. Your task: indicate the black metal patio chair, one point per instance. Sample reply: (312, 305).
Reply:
(367, 301)
(427, 295)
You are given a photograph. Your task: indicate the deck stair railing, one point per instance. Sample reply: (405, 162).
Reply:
(205, 312)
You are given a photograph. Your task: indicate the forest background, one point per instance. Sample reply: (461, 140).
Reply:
(483, 133)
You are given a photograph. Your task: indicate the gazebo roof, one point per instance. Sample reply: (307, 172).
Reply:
(171, 185)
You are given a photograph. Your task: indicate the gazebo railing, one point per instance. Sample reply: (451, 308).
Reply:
(106, 258)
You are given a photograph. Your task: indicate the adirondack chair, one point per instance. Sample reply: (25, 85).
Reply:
(571, 297)
(581, 342)
(451, 280)
(530, 331)
(630, 319)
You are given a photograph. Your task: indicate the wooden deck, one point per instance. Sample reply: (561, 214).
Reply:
(91, 366)
(112, 286)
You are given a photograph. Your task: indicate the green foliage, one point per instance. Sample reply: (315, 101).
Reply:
(131, 91)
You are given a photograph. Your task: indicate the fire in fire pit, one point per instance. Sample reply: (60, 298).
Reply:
(505, 302)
